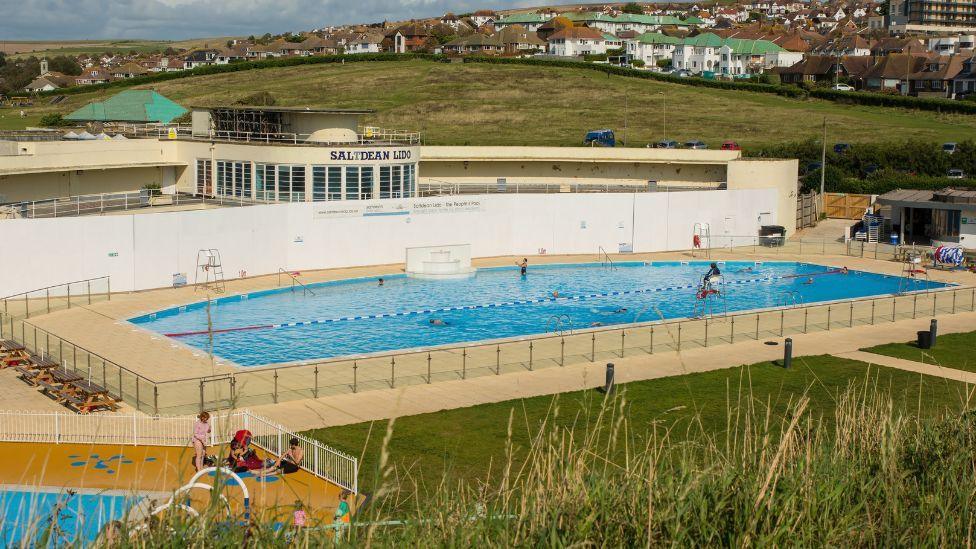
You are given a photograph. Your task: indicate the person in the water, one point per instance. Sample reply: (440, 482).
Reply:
(439, 322)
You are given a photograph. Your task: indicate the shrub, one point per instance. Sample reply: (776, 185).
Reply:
(54, 120)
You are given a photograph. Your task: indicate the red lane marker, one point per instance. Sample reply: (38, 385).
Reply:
(221, 331)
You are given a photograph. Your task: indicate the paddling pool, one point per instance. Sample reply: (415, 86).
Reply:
(357, 316)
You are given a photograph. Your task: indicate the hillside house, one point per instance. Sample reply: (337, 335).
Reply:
(576, 41)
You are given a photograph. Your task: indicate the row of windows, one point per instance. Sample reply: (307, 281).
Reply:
(290, 183)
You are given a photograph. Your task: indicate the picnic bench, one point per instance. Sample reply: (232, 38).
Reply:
(12, 354)
(35, 368)
(52, 381)
(85, 396)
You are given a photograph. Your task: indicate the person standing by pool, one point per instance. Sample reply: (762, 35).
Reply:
(201, 432)
(380, 283)
(523, 265)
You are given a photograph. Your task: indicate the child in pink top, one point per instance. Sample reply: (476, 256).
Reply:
(201, 434)
(299, 516)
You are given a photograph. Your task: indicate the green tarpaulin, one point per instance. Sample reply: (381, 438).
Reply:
(130, 106)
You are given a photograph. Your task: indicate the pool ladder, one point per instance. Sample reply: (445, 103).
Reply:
(294, 280)
(556, 324)
(792, 300)
(605, 260)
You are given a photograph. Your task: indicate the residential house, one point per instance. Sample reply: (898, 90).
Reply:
(888, 73)
(846, 45)
(200, 58)
(519, 39)
(740, 57)
(406, 38)
(576, 41)
(93, 75)
(887, 46)
(698, 54)
(483, 17)
(653, 48)
(260, 51)
(232, 54)
(49, 80)
(936, 79)
(475, 44)
(825, 68)
(529, 21)
(367, 42)
(128, 70)
(451, 20)
(965, 81)
(951, 44)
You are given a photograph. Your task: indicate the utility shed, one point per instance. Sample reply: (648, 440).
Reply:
(130, 106)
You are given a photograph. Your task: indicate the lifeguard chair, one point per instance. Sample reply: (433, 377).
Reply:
(210, 269)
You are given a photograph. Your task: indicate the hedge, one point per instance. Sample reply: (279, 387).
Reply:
(860, 98)
(890, 182)
(246, 66)
(857, 98)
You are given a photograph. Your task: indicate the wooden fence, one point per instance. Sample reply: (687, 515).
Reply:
(846, 206)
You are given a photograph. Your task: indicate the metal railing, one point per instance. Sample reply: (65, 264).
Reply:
(605, 259)
(253, 386)
(294, 281)
(365, 136)
(140, 430)
(59, 296)
(443, 188)
(98, 204)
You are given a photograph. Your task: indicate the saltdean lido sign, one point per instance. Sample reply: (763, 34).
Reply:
(370, 156)
(388, 208)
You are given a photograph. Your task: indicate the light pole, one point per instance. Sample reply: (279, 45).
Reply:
(664, 97)
(823, 158)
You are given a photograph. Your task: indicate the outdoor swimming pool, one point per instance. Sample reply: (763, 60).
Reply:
(355, 317)
(66, 518)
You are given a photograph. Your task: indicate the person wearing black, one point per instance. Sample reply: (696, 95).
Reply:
(523, 265)
(712, 272)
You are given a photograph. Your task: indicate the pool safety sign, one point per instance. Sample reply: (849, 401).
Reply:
(389, 208)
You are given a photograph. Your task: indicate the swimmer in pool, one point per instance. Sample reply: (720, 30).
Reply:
(523, 265)
(745, 270)
(596, 324)
(808, 281)
(380, 282)
(438, 322)
(620, 310)
(555, 294)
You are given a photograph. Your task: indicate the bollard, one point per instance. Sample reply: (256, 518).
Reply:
(608, 386)
(788, 353)
(934, 328)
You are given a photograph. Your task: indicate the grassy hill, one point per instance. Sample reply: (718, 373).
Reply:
(512, 105)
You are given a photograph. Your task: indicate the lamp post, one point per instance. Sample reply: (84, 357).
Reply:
(664, 97)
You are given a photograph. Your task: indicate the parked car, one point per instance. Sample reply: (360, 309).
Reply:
(813, 166)
(681, 73)
(602, 138)
(956, 173)
(695, 144)
(667, 144)
(841, 148)
(870, 169)
(730, 146)
(949, 148)
(843, 87)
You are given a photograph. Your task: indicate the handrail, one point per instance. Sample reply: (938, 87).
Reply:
(294, 280)
(27, 296)
(606, 259)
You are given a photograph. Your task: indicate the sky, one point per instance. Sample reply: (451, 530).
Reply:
(181, 19)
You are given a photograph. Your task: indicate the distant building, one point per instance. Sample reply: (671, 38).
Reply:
(575, 41)
(932, 16)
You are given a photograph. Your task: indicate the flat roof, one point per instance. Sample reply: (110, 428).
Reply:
(283, 109)
(944, 199)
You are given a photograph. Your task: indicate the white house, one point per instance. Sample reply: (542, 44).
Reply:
(698, 54)
(575, 41)
(483, 16)
(365, 43)
(652, 47)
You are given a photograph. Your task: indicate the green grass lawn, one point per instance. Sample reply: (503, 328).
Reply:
(957, 351)
(468, 443)
(483, 104)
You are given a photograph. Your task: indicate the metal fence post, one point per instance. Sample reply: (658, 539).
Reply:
(828, 317)
(872, 312)
(806, 317)
(679, 336)
(428, 363)
(850, 322)
(935, 299)
(355, 376)
(498, 360)
(315, 392)
(652, 340)
(622, 336)
(530, 356)
(201, 395)
(782, 320)
(593, 347)
(894, 305)
(732, 331)
(155, 399)
(392, 372)
(757, 326)
(275, 395)
(914, 304)
(706, 331)
(464, 363)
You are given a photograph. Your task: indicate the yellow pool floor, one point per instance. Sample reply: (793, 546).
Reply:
(155, 472)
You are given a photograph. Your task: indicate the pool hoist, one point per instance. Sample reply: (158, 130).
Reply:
(710, 298)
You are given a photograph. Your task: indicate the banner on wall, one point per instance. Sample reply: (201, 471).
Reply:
(336, 210)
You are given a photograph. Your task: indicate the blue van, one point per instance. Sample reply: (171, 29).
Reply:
(602, 138)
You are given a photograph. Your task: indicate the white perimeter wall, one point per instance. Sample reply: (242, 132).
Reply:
(145, 250)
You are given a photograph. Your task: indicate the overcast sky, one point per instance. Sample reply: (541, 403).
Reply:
(180, 19)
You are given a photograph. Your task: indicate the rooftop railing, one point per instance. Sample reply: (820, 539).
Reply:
(365, 136)
(98, 204)
(443, 188)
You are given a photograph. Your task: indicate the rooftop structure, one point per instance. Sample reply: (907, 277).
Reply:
(130, 106)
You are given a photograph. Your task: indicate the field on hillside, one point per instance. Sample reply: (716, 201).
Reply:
(78, 47)
(481, 104)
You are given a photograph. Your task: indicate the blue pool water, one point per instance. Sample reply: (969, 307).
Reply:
(357, 317)
(28, 515)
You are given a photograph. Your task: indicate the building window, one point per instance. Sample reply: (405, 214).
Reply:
(335, 183)
(366, 182)
(385, 186)
(318, 183)
(352, 183)
(265, 178)
(204, 177)
(234, 178)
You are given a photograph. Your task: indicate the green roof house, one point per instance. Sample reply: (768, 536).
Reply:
(130, 106)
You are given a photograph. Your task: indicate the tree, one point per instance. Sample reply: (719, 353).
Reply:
(633, 7)
(64, 65)
(169, 52)
(769, 78)
(560, 23)
(639, 63)
(3, 59)
(230, 44)
(258, 99)
(54, 120)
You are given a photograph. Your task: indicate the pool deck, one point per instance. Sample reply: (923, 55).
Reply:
(102, 328)
(156, 471)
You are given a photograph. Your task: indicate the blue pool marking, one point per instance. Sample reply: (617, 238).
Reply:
(26, 514)
(104, 464)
